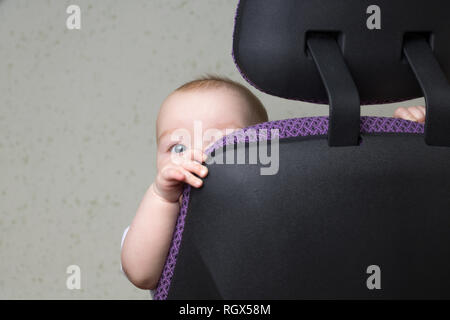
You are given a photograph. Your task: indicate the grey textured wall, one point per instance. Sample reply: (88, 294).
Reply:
(77, 122)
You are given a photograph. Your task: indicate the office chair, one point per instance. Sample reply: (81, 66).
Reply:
(359, 206)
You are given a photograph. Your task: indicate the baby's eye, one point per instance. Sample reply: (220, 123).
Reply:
(178, 148)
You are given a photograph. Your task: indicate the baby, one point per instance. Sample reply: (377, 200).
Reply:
(219, 104)
(216, 103)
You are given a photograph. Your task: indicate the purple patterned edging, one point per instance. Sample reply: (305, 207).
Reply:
(287, 129)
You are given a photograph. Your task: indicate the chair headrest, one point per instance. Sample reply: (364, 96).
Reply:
(269, 44)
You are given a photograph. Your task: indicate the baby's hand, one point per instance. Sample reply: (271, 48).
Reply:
(169, 181)
(412, 113)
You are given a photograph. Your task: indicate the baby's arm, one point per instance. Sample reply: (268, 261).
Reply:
(147, 242)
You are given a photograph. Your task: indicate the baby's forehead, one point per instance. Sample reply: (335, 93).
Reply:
(211, 105)
(205, 93)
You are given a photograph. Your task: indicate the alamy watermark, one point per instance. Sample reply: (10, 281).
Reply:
(264, 150)
(73, 281)
(73, 21)
(374, 280)
(374, 20)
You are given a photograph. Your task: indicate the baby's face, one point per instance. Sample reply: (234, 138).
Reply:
(213, 112)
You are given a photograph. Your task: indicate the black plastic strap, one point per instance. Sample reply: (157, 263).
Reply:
(343, 96)
(435, 88)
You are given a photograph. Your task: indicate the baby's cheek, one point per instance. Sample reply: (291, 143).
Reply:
(169, 158)
(162, 160)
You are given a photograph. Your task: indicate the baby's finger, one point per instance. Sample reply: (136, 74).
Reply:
(193, 154)
(194, 181)
(195, 167)
(196, 155)
(418, 113)
(172, 174)
(403, 113)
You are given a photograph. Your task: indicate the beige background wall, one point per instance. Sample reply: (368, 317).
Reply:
(77, 113)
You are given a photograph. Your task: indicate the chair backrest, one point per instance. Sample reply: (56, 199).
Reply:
(358, 207)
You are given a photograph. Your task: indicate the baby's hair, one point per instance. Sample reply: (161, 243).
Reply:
(259, 113)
